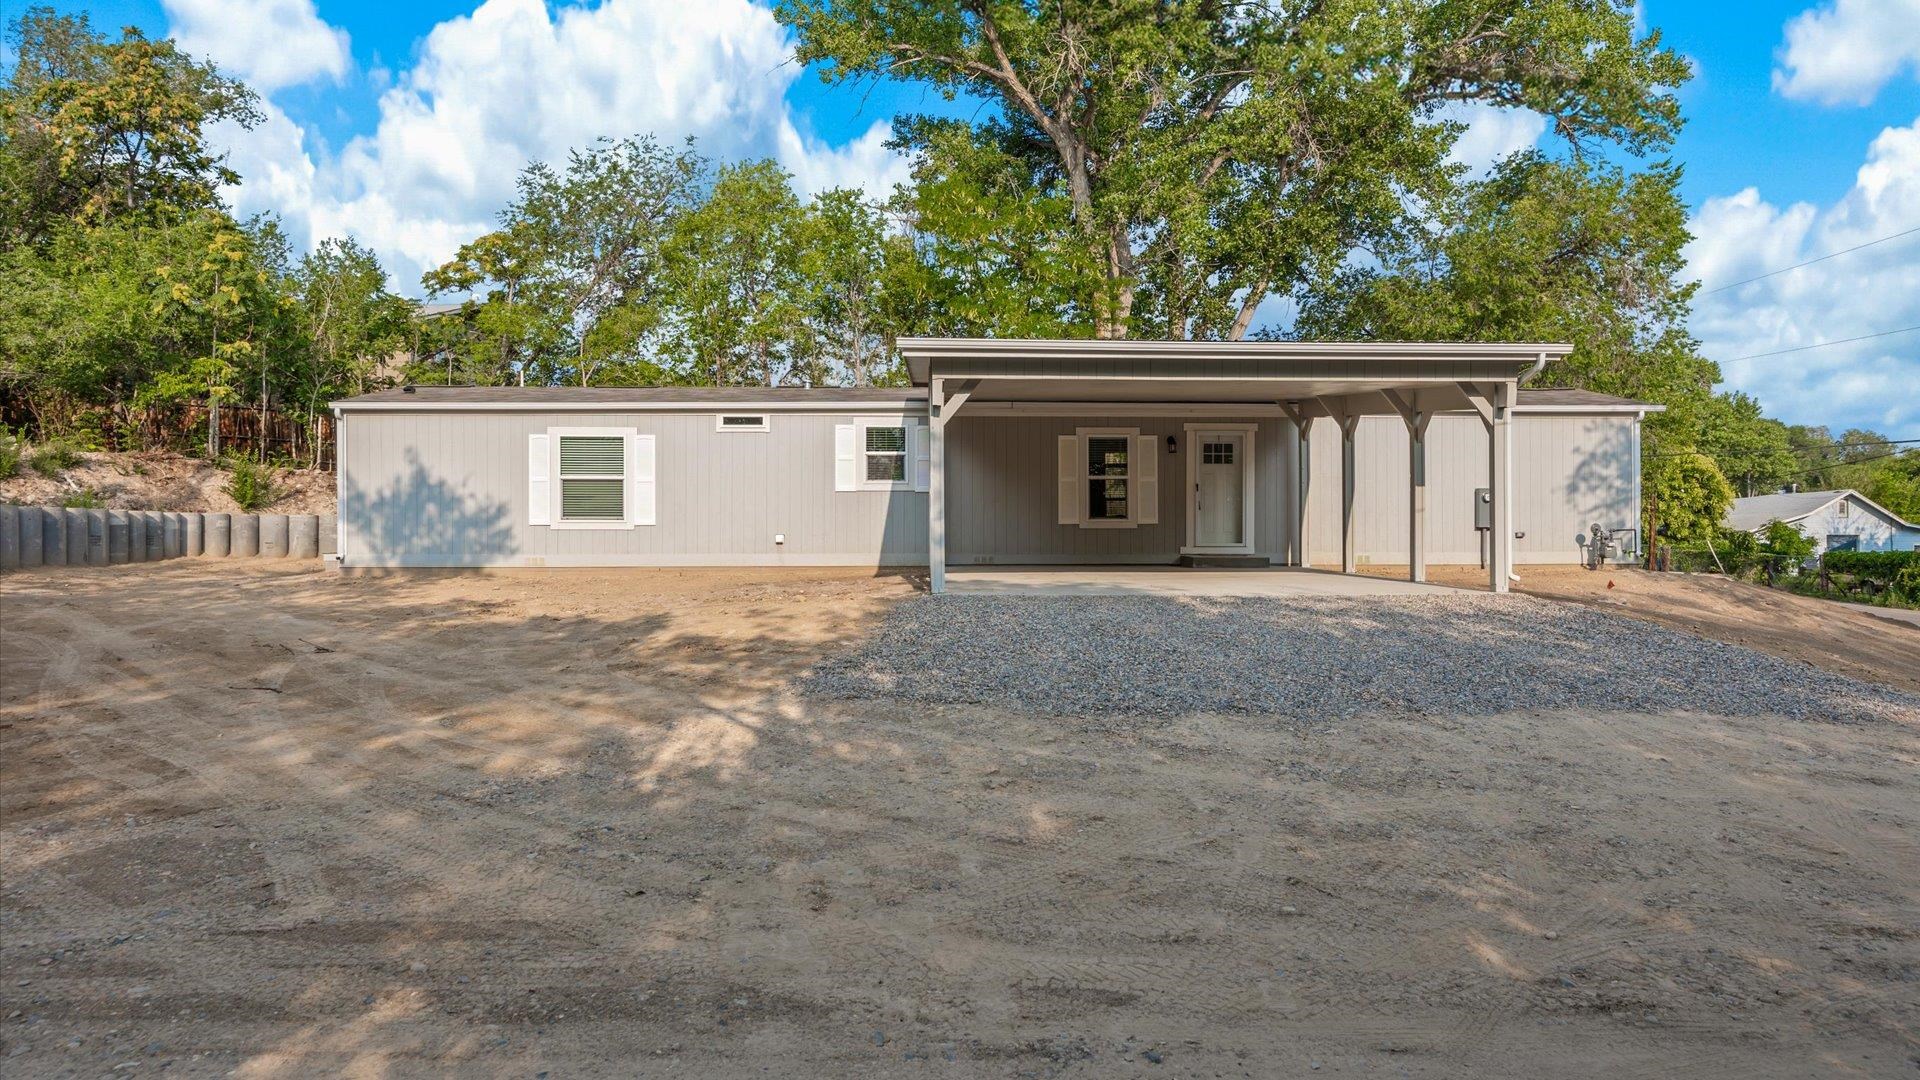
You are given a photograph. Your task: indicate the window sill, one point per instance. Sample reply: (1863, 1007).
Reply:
(592, 525)
(1110, 524)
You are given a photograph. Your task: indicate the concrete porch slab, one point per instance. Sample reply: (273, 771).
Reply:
(1174, 581)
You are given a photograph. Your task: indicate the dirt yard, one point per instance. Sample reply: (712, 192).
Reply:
(1839, 637)
(264, 821)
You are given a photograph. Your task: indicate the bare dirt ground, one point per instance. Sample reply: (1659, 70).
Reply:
(1841, 638)
(260, 820)
(161, 480)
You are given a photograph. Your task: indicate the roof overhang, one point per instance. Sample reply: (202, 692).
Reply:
(1337, 366)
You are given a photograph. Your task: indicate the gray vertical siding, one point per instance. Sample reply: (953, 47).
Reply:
(450, 489)
(1569, 472)
(1002, 490)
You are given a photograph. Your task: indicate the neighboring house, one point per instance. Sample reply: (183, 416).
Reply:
(1833, 520)
(1009, 452)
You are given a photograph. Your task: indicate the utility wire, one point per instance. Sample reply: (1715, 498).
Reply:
(1799, 449)
(1809, 262)
(1822, 345)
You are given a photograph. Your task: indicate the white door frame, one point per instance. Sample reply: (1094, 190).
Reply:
(1195, 435)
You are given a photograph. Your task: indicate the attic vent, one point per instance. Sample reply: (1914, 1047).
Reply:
(741, 422)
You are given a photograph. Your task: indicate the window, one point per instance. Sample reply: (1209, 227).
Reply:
(593, 478)
(741, 422)
(1848, 542)
(885, 449)
(1843, 509)
(1107, 477)
(1216, 453)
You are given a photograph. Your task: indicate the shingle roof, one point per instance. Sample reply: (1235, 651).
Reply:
(1756, 511)
(618, 395)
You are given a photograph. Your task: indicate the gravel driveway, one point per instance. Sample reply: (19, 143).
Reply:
(1313, 659)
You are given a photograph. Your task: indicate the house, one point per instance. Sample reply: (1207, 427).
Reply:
(1010, 452)
(1833, 520)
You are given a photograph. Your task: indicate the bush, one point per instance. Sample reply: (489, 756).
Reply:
(1873, 565)
(251, 486)
(9, 454)
(84, 499)
(55, 456)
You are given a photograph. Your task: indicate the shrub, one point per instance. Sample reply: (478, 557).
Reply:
(55, 456)
(1787, 546)
(9, 454)
(84, 499)
(251, 486)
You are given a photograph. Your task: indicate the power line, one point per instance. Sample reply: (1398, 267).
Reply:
(1861, 444)
(1810, 262)
(1822, 345)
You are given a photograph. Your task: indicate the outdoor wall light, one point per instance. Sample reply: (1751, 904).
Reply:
(1173, 445)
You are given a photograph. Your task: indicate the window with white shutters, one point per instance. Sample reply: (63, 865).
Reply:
(885, 450)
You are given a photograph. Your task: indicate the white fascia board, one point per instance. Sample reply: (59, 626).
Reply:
(895, 408)
(1623, 409)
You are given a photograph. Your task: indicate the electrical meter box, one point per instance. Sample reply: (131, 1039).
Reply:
(1483, 508)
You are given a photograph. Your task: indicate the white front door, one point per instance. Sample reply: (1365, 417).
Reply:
(1219, 488)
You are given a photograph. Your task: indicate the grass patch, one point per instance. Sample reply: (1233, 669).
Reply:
(55, 456)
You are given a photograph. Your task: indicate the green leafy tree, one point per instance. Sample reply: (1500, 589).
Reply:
(574, 279)
(1211, 154)
(350, 322)
(1785, 546)
(1752, 450)
(847, 251)
(739, 283)
(100, 131)
(1686, 496)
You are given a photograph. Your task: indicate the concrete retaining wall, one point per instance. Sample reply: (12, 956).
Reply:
(33, 536)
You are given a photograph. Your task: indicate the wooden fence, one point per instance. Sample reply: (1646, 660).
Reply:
(245, 431)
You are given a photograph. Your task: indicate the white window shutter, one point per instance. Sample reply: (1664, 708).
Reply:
(1145, 475)
(1072, 489)
(539, 486)
(922, 438)
(640, 479)
(846, 474)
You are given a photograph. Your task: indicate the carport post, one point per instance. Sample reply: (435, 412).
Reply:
(936, 490)
(1501, 483)
(1349, 477)
(1407, 405)
(1303, 440)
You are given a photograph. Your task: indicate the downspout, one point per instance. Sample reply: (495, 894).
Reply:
(1539, 363)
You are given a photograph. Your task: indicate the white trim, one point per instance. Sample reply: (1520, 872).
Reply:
(558, 521)
(762, 421)
(860, 454)
(539, 479)
(1248, 486)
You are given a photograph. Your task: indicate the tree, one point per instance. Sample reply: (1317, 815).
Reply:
(738, 281)
(1685, 496)
(1212, 154)
(1752, 450)
(846, 251)
(100, 131)
(350, 322)
(575, 276)
(1785, 546)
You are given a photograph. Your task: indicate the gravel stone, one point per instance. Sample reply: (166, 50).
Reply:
(1313, 660)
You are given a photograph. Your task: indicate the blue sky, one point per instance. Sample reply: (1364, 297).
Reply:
(403, 124)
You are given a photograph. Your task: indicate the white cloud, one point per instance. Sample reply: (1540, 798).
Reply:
(1845, 51)
(1493, 132)
(514, 82)
(1863, 384)
(272, 44)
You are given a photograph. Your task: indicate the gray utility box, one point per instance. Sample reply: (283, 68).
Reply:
(1483, 508)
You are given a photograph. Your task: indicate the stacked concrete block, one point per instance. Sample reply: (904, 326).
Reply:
(219, 530)
(273, 536)
(32, 536)
(246, 536)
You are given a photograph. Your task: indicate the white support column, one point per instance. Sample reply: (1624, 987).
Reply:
(1349, 478)
(936, 490)
(1417, 496)
(1303, 443)
(1500, 483)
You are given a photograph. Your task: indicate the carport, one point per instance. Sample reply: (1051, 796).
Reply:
(1109, 408)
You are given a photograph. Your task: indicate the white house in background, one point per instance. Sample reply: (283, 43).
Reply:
(1833, 520)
